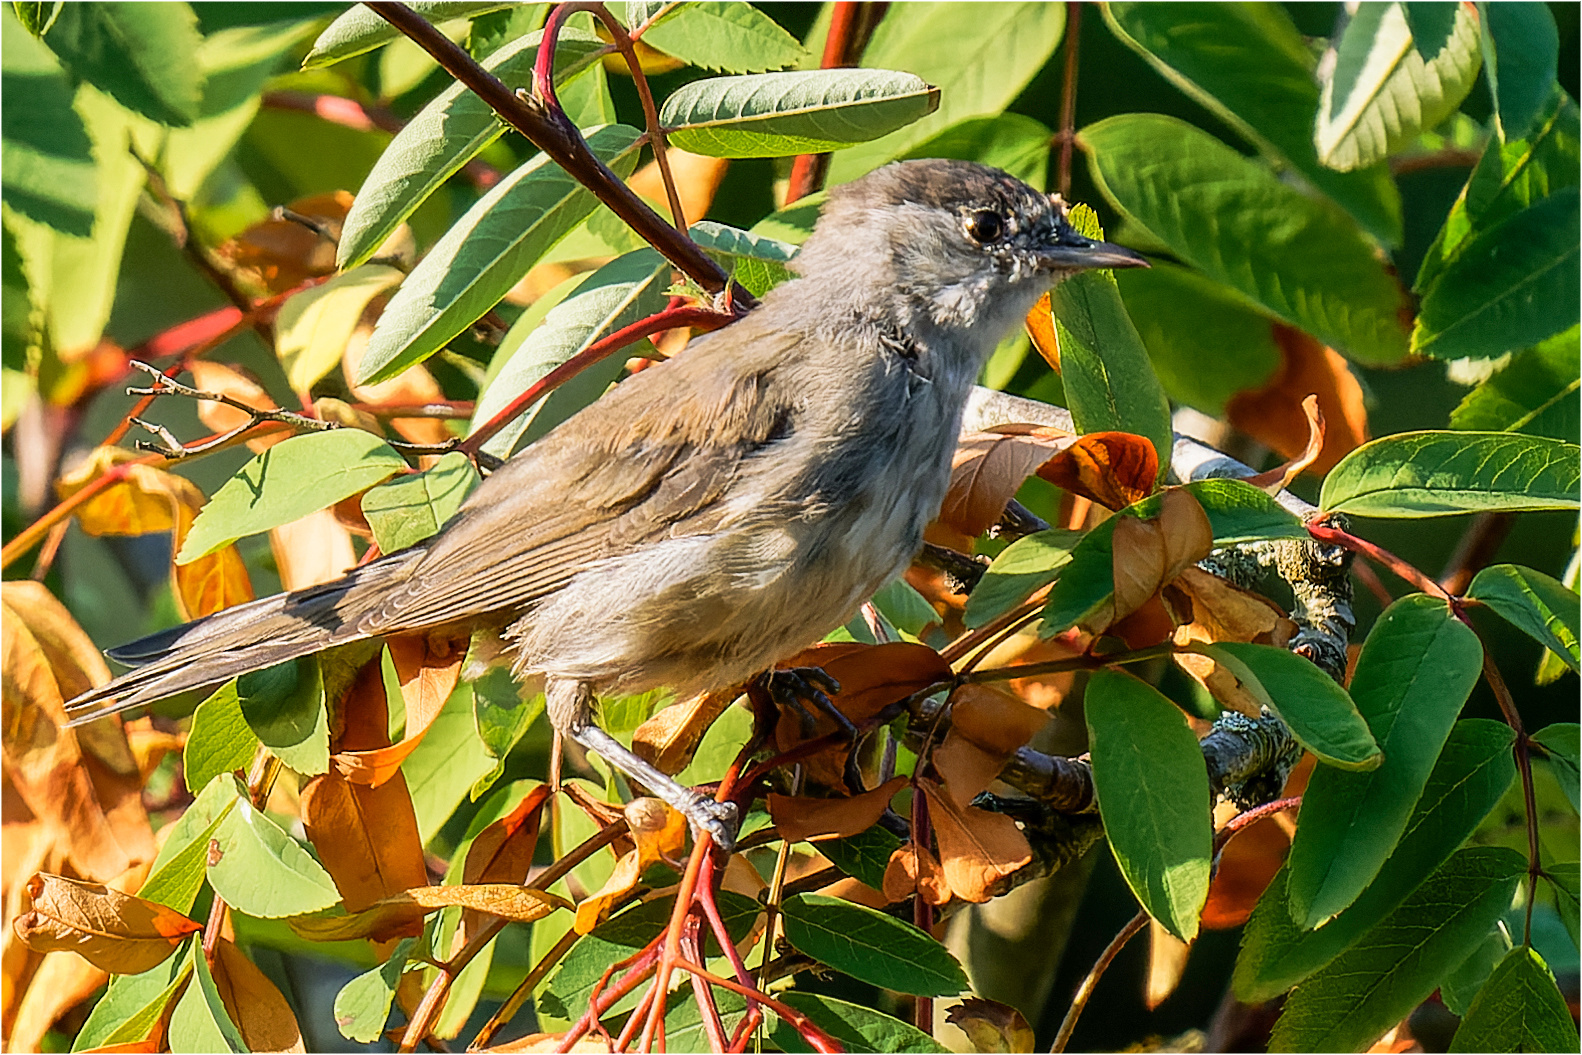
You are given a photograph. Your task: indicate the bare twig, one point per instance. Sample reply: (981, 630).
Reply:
(1067, 136)
(1089, 983)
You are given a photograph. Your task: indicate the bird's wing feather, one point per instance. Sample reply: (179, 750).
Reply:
(635, 466)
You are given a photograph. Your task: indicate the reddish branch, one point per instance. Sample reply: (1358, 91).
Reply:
(554, 133)
(1067, 136)
(850, 26)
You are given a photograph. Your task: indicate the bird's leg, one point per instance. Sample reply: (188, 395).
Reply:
(802, 688)
(570, 706)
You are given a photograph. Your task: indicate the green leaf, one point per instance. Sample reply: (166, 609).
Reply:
(1534, 603)
(284, 706)
(864, 856)
(859, 1028)
(1110, 384)
(1424, 474)
(360, 30)
(260, 870)
(177, 873)
(1154, 797)
(870, 946)
(1469, 779)
(980, 58)
(1566, 879)
(37, 17)
(1205, 343)
(628, 289)
(758, 263)
(1511, 286)
(904, 608)
(1460, 987)
(1021, 568)
(485, 253)
(1237, 512)
(1416, 670)
(1379, 91)
(1319, 713)
(1510, 177)
(770, 115)
(138, 54)
(1520, 56)
(730, 36)
(1560, 743)
(200, 1022)
(1536, 394)
(502, 716)
(446, 764)
(1248, 64)
(46, 157)
(1518, 1009)
(442, 137)
(409, 509)
(133, 1003)
(363, 1004)
(1301, 259)
(287, 482)
(1396, 965)
(314, 326)
(219, 740)
(1013, 142)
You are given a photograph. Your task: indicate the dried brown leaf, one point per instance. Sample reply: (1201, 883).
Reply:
(427, 669)
(978, 850)
(313, 550)
(115, 932)
(987, 469)
(1167, 957)
(668, 739)
(506, 900)
(915, 869)
(991, 1026)
(799, 818)
(367, 839)
(229, 381)
(1113, 469)
(1209, 609)
(1273, 415)
(254, 1004)
(1040, 325)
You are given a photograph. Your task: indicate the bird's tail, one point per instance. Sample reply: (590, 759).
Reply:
(248, 637)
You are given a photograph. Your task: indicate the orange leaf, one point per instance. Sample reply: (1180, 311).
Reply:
(1114, 469)
(1246, 866)
(1273, 415)
(507, 900)
(659, 833)
(228, 381)
(367, 839)
(696, 177)
(914, 868)
(1150, 553)
(261, 1014)
(115, 932)
(987, 469)
(1209, 609)
(281, 254)
(427, 669)
(536, 1043)
(1279, 478)
(978, 851)
(800, 819)
(313, 550)
(212, 582)
(503, 851)
(987, 725)
(1167, 957)
(668, 739)
(1041, 330)
(414, 386)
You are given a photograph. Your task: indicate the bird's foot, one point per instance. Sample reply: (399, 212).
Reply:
(804, 689)
(719, 820)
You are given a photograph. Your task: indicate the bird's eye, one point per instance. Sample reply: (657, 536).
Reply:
(985, 226)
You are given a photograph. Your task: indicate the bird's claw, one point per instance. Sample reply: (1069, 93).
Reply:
(719, 820)
(804, 689)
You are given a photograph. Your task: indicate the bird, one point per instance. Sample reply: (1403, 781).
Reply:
(712, 515)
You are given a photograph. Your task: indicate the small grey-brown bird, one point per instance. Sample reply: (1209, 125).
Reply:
(711, 516)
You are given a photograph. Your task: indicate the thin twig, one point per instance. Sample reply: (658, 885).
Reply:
(1089, 983)
(1067, 136)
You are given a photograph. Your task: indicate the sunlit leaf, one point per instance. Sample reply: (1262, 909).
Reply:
(111, 930)
(139, 55)
(1535, 393)
(313, 326)
(729, 35)
(1540, 606)
(409, 509)
(360, 30)
(1418, 474)
(870, 946)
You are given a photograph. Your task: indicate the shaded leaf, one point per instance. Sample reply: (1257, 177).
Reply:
(758, 263)
(1416, 670)
(1519, 1008)
(409, 509)
(363, 1004)
(980, 58)
(1560, 743)
(48, 168)
(1153, 795)
(1535, 393)
(285, 708)
(140, 56)
(1417, 474)
(1302, 260)
(1520, 48)
(1471, 776)
(859, 1028)
(863, 856)
(1021, 569)
(801, 112)
(1248, 64)
(1396, 965)
(870, 946)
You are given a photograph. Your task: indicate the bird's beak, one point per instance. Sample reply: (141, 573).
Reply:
(1072, 252)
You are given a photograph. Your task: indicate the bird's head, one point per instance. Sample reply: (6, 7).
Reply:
(970, 245)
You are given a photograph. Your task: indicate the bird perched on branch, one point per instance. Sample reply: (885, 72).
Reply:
(709, 517)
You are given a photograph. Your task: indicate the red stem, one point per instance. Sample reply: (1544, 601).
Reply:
(811, 1033)
(807, 170)
(669, 319)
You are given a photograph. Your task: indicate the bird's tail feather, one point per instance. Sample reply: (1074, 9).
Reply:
(261, 633)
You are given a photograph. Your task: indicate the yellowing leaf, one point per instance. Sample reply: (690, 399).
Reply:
(313, 326)
(507, 900)
(113, 931)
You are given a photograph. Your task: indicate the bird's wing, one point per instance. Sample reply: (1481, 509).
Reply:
(646, 461)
